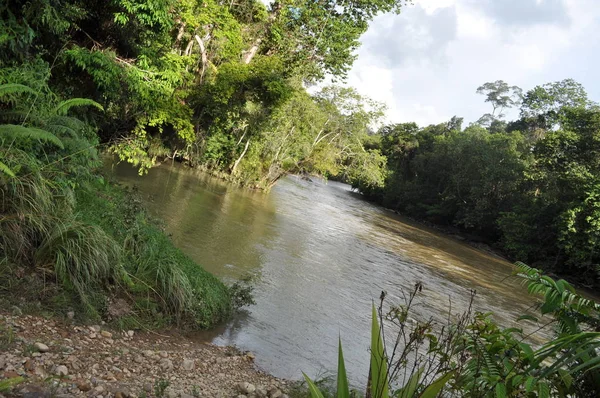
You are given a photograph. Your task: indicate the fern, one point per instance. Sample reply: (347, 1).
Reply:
(6, 170)
(17, 132)
(64, 106)
(13, 88)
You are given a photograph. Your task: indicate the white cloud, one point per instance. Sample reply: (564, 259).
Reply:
(426, 63)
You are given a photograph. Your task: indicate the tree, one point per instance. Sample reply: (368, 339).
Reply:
(543, 105)
(501, 96)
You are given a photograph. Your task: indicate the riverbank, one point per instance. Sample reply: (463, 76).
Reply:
(51, 357)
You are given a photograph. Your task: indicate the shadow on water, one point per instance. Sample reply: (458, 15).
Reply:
(319, 254)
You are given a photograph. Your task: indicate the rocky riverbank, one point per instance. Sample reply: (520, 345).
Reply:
(51, 358)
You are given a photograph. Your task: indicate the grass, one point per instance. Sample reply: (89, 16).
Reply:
(75, 251)
(162, 279)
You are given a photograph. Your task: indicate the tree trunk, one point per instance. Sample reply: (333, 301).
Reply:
(202, 54)
(237, 162)
(247, 58)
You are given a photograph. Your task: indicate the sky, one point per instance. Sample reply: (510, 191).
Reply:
(426, 63)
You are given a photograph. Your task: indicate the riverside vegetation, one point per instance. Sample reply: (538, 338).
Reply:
(221, 86)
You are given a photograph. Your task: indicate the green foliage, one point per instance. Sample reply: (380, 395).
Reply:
(473, 356)
(61, 221)
(532, 193)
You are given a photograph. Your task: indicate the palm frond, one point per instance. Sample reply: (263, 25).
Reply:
(64, 106)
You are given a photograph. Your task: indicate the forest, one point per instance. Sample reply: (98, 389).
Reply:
(237, 89)
(528, 186)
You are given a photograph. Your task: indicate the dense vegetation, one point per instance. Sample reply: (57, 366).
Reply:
(219, 85)
(530, 186)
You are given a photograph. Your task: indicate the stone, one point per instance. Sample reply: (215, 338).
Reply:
(71, 315)
(95, 328)
(130, 333)
(61, 370)
(170, 393)
(163, 354)
(261, 392)
(147, 387)
(84, 386)
(148, 353)
(106, 334)
(166, 364)
(246, 387)
(41, 347)
(99, 389)
(188, 364)
(184, 395)
(275, 393)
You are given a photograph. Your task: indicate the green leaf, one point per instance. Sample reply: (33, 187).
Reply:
(379, 382)
(343, 391)
(312, 388)
(6, 170)
(17, 131)
(530, 384)
(500, 390)
(543, 390)
(527, 318)
(64, 106)
(410, 388)
(434, 389)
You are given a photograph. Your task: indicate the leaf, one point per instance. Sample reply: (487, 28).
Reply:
(64, 106)
(312, 388)
(543, 390)
(6, 170)
(17, 132)
(410, 388)
(434, 389)
(379, 382)
(527, 318)
(14, 88)
(343, 391)
(500, 390)
(530, 384)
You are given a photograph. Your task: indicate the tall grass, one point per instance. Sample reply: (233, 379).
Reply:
(61, 223)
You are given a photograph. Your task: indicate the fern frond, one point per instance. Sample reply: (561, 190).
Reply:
(64, 106)
(6, 170)
(12, 88)
(16, 131)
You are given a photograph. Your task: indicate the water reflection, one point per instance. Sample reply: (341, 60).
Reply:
(321, 254)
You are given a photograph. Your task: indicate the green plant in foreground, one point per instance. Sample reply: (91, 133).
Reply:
(475, 357)
(378, 386)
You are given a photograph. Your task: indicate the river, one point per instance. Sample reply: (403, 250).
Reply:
(319, 254)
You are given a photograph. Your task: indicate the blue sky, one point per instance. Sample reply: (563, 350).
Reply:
(426, 63)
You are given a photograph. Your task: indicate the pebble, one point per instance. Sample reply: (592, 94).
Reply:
(61, 370)
(246, 387)
(41, 347)
(84, 386)
(166, 364)
(188, 364)
(106, 334)
(71, 314)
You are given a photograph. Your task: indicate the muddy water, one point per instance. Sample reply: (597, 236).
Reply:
(318, 254)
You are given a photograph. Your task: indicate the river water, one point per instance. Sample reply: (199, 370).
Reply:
(319, 255)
